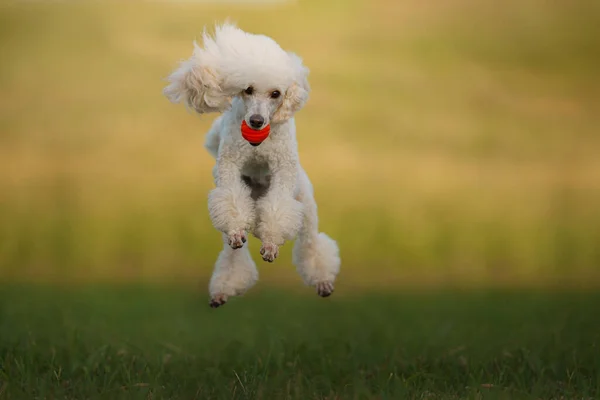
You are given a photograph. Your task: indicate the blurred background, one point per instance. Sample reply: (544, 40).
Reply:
(449, 143)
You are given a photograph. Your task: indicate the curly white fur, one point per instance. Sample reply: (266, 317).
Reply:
(261, 190)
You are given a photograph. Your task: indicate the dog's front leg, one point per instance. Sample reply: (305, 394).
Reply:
(279, 213)
(230, 206)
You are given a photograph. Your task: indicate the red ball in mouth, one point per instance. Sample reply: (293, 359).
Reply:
(254, 136)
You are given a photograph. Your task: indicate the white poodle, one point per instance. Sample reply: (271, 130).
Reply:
(260, 186)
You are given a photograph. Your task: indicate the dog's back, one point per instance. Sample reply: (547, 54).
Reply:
(213, 138)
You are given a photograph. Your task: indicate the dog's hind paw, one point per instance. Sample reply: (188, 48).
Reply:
(324, 289)
(218, 300)
(237, 239)
(269, 252)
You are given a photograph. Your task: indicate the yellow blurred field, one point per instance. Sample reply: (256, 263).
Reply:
(448, 142)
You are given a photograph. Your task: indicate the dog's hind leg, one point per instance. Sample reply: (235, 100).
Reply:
(234, 273)
(315, 254)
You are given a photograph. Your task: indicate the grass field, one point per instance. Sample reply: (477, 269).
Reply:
(454, 147)
(150, 343)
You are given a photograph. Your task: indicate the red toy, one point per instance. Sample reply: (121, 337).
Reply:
(255, 137)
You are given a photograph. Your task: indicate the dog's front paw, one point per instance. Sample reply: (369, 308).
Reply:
(269, 251)
(324, 289)
(218, 300)
(237, 239)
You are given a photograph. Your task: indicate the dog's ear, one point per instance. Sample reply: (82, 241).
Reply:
(296, 94)
(197, 85)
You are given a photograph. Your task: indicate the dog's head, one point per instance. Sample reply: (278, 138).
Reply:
(269, 84)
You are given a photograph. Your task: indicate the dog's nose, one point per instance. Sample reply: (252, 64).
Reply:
(256, 121)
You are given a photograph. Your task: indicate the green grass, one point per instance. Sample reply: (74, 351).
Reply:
(450, 144)
(143, 342)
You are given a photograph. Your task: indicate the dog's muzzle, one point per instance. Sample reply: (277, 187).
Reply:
(255, 136)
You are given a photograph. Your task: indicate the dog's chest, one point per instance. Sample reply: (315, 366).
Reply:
(257, 171)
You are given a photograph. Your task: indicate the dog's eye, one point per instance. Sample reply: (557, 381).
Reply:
(249, 90)
(275, 94)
